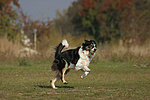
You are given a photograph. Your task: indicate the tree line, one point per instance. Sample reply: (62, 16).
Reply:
(104, 20)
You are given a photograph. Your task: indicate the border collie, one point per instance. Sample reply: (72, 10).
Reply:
(78, 59)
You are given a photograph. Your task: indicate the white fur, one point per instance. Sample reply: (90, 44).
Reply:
(71, 66)
(84, 60)
(65, 43)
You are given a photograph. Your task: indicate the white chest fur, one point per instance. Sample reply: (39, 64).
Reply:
(84, 60)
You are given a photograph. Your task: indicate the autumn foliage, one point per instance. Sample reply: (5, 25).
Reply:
(104, 20)
(8, 17)
(6, 7)
(101, 18)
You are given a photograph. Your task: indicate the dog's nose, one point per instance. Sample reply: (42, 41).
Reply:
(95, 50)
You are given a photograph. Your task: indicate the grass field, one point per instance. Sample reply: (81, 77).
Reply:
(107, 80)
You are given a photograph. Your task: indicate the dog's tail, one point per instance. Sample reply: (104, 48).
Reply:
(61, 46)
(56, 64)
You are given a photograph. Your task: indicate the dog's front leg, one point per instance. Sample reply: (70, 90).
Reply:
(85, 74)
(52, 82)
(86, 71)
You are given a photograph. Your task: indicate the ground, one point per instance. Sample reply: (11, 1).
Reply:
(107, 80)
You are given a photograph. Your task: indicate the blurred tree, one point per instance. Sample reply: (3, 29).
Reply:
(99, 18)
(62, 23)
(142, 4)
(8, 17)
(136, 22)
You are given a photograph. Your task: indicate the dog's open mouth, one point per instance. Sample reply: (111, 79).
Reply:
(92, 52)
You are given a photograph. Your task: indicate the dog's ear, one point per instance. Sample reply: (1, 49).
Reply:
(93, 41)
(85, 43)
(86, 40)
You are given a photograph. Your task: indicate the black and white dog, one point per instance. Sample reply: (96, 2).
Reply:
(78, 59)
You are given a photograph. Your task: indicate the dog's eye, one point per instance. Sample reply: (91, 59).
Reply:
(92, 46)
(88, 47)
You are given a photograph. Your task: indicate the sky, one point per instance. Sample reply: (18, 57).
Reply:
(42, 9)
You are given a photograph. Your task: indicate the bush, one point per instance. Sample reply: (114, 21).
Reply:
(24, 62)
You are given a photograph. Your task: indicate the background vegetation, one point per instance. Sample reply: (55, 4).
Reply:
(120, 27)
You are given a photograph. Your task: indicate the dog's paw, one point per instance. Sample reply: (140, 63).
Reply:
(53, 85)
(65, 82)
(55, 88)
(83, 76)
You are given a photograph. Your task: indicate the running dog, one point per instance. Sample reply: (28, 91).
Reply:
(78, 59)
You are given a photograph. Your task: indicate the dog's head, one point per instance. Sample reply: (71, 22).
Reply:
(90, 46)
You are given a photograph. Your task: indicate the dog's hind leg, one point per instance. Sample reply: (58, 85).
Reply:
(52, 82)
(64, 72)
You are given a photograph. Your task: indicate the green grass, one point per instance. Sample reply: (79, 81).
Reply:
(107, 80)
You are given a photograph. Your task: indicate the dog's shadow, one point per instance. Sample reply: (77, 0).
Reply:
(43, 86)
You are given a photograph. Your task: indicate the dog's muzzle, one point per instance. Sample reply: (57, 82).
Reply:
(93, 51)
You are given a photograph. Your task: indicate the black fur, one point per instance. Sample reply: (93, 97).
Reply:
(70, 56)
(58, 49)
